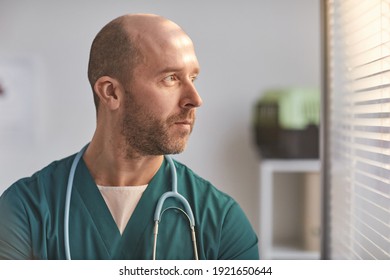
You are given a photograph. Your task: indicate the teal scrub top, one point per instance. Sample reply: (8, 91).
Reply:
(32, 219)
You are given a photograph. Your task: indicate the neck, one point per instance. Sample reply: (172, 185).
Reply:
(111, 166)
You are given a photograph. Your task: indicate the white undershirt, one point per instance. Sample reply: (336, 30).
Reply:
(122, 201)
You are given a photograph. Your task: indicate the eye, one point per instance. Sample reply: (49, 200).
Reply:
(193, 78)
(170, 79)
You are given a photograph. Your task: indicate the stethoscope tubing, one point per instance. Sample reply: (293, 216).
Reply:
(67, 201)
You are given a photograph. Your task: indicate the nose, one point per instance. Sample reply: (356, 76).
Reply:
(191, 97)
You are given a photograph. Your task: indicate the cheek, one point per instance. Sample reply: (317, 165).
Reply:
(160, 101)
(162, 107)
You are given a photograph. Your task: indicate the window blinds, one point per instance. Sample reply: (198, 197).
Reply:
(358, 128)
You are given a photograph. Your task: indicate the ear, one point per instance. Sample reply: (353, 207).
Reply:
(109, 92)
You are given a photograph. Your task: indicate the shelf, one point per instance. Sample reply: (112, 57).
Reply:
(268, 168)
(291, 165)
(292, 253)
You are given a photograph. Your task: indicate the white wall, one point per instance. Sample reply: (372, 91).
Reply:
(244, 48)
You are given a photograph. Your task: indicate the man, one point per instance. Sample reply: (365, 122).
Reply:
(142, 70)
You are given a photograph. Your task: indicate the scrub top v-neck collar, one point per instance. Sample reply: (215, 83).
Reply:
(127, 245)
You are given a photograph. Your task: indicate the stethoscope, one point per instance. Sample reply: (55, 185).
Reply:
(157, 214)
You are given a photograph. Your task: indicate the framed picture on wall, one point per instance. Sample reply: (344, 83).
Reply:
(17, 100)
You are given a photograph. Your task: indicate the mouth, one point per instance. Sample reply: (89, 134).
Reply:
(184, 122)
(184, 125)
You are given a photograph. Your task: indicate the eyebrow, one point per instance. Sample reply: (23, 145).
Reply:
(177, 69)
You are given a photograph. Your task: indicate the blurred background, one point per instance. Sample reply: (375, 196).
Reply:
(245, 49)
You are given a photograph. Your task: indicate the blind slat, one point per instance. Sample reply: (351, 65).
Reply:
(378, 67)
(369, 56)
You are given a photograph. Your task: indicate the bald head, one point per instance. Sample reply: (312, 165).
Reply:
(117, 48)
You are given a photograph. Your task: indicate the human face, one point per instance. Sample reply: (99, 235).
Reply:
(161, 100)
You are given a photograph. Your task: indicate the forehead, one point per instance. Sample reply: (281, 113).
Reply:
(175, 50)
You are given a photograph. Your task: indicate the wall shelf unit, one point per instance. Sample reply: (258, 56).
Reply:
(271, 201)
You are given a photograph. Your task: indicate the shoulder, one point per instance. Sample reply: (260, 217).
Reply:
(41, 181)
(202, 186)
(205, 196)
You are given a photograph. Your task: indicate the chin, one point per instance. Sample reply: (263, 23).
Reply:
(177, 149)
